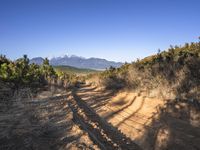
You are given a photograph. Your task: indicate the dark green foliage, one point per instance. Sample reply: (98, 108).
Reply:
(47, 70)
(20, 72)
(3, 59)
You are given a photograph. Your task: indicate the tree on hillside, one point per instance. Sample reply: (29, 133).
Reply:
(22, 68)
(199, 44)
(47, 69)
(3, 59)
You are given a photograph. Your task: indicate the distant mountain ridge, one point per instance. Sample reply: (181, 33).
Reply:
(37, 60)
(79, 62)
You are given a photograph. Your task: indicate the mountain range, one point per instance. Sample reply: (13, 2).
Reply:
(79, 62)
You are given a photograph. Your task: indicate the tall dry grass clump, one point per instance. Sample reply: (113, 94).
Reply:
(171, 74)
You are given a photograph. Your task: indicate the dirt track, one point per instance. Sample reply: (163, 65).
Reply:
(102, 133)
(57, 119)
(42, 123)
(152, 123)
(89, 118)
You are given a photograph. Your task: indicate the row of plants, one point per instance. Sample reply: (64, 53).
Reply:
(177, 67)
(23, 73)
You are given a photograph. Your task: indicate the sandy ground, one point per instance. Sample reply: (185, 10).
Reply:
(90, 116)
(150, 122)
(41, 123)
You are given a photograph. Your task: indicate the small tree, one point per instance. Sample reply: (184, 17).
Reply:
(199, 43)
(47, 69)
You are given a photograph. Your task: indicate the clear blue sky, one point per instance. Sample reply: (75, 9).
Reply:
(120, 30)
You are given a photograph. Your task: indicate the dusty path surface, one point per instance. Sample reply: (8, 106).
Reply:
(44, 122)
(150, 122)
(100, 131)
(57, 119)
(91, 118)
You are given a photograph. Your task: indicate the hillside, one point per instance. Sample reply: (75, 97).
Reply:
(74, 70)
(175, 71)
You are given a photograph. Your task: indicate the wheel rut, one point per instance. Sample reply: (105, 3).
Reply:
(100, 131)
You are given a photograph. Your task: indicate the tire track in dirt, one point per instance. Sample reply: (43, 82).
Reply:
(100, 131)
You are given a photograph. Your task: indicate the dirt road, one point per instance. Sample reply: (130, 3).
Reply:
(44, 122)
(92, 118)
(100, 131)
(150, 122)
